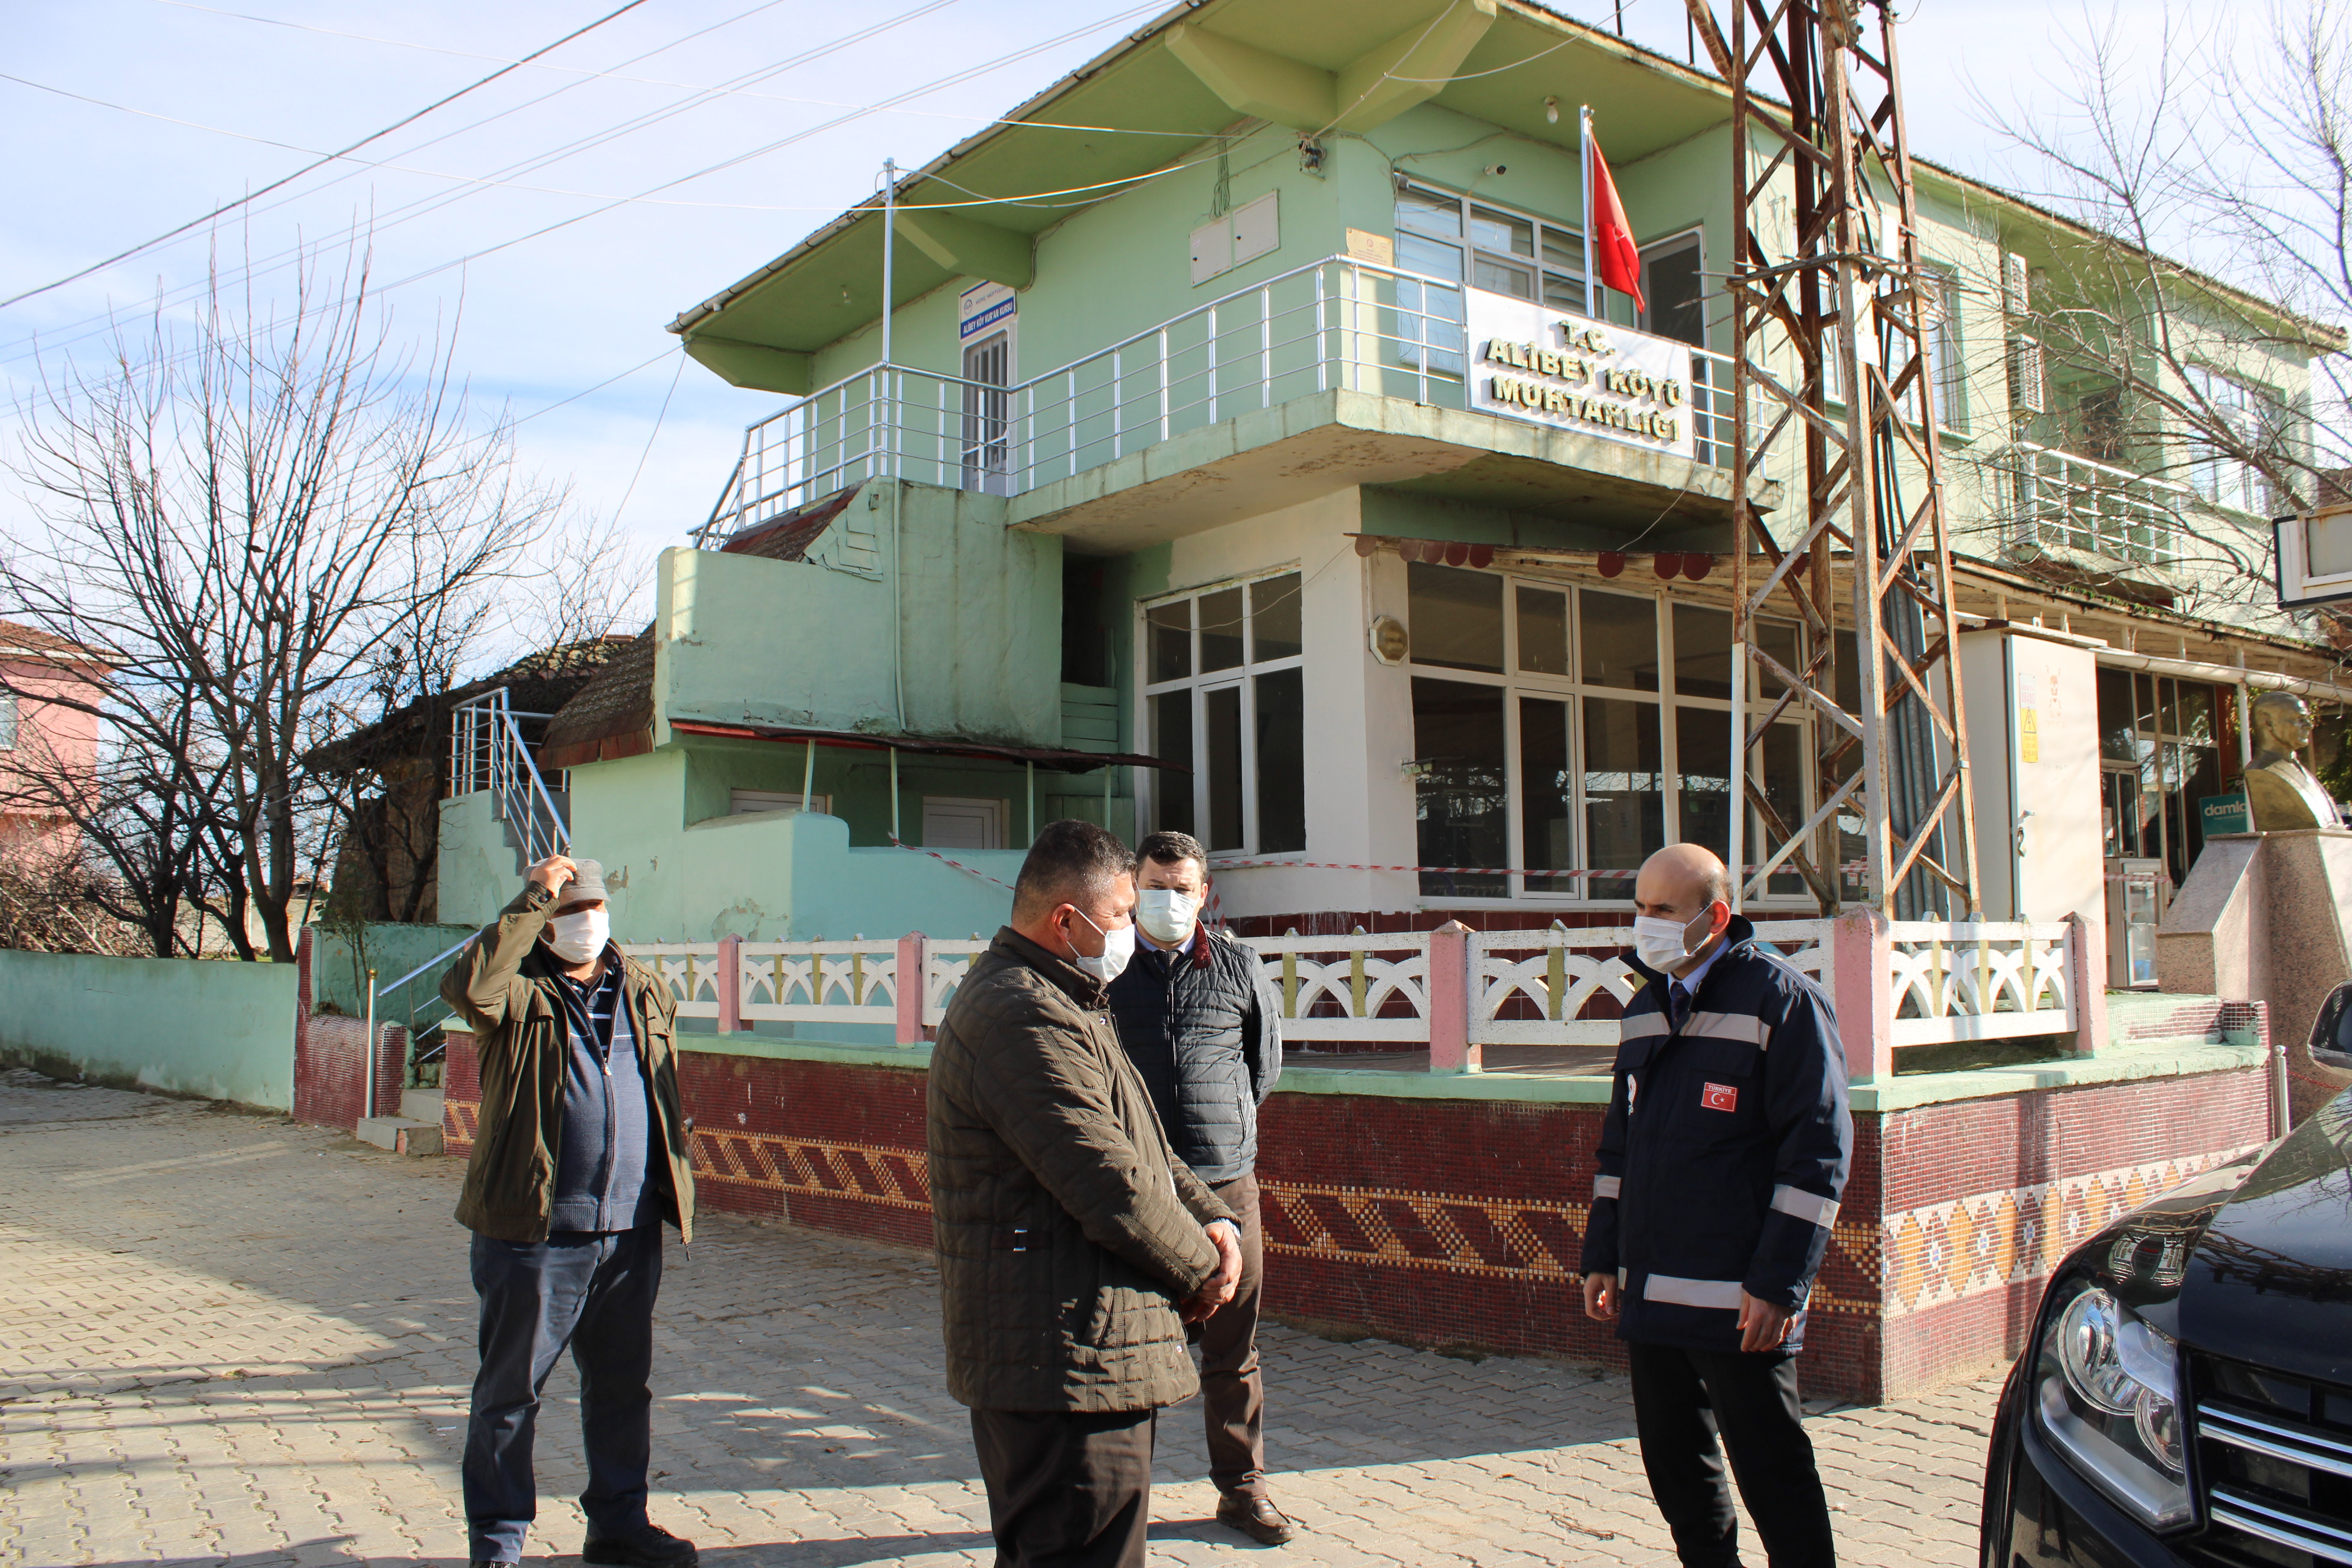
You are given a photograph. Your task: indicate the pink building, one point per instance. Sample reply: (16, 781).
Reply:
(48, 748)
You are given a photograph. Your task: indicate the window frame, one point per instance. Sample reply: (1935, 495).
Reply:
(1535, 263)
(1243, 676)
(2252, 415)
(1574, 690)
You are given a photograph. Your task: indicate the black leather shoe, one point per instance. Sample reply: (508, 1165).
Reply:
(651, 1547)
(1256, 1518)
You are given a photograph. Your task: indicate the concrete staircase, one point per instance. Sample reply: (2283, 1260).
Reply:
(415, 1130)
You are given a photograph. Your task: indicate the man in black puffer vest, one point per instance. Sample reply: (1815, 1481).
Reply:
(1203, 1026)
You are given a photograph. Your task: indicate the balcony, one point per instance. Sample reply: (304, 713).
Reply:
(2064, 501)
(1337, 325)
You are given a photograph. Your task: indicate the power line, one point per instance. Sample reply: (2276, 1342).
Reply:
(78, 331)
(307, 168)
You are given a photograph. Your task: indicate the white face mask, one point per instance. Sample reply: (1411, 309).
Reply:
(577, 938)
(1118, 946)
(1663, 943)
(1166, 915)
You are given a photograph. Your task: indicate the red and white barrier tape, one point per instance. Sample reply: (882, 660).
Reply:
(957, 864)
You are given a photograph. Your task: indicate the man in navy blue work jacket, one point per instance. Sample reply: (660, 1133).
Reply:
(1722, 1160)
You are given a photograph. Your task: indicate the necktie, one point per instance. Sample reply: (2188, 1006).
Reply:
(1679, 1001)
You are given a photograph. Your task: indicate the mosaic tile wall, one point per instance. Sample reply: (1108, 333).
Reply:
(1459, 1221)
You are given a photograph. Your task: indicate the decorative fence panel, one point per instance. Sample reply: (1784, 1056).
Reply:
(1453, 991)
(1983, 981)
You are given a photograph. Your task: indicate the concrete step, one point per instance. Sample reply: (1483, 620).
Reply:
(401, 1134)
(2160, 1020)
(421, 1105)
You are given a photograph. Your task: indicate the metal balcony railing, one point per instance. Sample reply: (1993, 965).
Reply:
(2073, 502)
(1335, 323)
(487, 752)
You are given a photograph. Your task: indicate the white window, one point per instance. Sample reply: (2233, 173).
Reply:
(987, 371)
(957, 822)
(2242, 420)
(1947, 370)
(1565, 729)
(7, 721)
(752, 802)
(1224, 696)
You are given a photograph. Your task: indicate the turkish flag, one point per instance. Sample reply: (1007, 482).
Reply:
(1612, 237)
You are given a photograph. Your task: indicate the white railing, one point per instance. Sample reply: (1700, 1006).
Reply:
(1335, 323)
(1988, 982)
(487, 751)
(1451, 991)
(2078, 503)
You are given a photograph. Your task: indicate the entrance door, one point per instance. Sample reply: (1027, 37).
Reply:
(987, 452)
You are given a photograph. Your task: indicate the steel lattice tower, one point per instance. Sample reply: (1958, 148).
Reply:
(1826, 282)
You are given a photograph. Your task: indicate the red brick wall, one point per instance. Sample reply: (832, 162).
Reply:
(331, 1060)
(1458, 1222)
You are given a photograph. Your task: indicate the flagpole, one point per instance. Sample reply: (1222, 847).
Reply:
(1591, 282)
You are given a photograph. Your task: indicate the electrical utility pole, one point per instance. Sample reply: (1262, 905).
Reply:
(1831, 311)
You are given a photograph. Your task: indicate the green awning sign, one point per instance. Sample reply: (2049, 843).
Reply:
(2225, 814)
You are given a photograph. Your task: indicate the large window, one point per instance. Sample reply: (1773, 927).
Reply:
(1223, 697)
(2248, 420)
(1565, 729)
(2159, 756)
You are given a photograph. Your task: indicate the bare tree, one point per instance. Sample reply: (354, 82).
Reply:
(2225, 144)
(262, 517)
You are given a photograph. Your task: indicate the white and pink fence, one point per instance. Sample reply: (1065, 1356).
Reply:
(1455, 991)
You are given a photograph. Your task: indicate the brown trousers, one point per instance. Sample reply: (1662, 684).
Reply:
(1232, 1393)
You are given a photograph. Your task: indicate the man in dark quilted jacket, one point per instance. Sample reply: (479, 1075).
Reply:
(1073, 1245)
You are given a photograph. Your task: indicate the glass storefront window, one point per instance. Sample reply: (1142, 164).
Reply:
(1457, 617)
(1461, 797)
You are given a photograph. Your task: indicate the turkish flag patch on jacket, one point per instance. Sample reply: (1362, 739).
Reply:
(1718, 1097)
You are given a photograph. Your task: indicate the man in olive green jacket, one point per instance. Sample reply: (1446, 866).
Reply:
(579, 1155)
(1073, 1245)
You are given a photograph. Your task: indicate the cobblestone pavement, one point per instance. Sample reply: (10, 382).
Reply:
(224, 1337)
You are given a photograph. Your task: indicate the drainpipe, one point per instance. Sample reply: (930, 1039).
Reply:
(368, 1055)
(890, 434)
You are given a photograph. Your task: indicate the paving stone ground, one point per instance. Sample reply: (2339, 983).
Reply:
(227, 1339)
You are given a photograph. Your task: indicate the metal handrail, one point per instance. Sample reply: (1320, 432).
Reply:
(1360, 325)
(488, 754)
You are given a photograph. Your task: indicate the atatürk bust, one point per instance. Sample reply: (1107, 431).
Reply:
(2280, 793)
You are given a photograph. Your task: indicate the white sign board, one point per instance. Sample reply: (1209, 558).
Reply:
(982, 306)
(1530, 362)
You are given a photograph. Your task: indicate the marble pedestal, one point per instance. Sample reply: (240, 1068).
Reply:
(2267, 917)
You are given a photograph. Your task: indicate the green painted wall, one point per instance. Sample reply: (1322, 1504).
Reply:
(773, 876)
(745, 639)
(342, 956)
(477, 871)
(194, 1027)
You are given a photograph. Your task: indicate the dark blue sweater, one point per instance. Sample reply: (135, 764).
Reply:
(606, 1173)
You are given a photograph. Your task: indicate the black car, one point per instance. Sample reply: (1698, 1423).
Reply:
(2187, 1393)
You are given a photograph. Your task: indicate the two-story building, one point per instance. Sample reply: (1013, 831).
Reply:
(1231, 441)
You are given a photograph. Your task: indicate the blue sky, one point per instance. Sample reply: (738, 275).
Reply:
(202, 103)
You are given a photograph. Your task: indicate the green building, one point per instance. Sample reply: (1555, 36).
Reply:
(1247, 458)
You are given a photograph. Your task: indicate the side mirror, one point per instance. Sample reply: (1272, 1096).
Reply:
(2331, 1032)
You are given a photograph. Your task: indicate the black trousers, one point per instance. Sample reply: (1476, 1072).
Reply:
(1682, 1400)
(1066, 1489)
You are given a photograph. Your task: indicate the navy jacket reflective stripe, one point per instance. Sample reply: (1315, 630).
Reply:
(1725, 1151)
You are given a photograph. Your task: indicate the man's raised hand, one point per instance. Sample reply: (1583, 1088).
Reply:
(552, 873)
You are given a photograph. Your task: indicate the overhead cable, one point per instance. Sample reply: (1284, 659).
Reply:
(228, 207)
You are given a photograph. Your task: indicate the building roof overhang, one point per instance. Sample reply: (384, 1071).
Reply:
(1203, 71)
(1195, 73)
(1061, 759)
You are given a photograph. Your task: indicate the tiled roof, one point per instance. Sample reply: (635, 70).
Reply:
(32, 640)
(612, 716)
